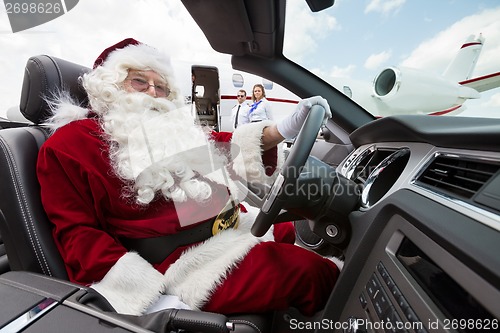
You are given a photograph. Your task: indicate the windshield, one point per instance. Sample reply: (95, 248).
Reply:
(402, 56)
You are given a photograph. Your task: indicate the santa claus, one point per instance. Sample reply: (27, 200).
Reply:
(144, 202)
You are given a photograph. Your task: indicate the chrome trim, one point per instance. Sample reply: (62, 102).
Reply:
(30, 316)
(377, 172)
(230, 326)
(467, 206)
(421, 155)
(310, 245)
(351, 165)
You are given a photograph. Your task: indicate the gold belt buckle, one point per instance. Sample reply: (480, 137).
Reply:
(226, 219)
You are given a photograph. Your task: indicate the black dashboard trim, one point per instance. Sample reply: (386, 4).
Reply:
(441, 131)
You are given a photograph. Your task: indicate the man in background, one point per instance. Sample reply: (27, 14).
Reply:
(240, 110)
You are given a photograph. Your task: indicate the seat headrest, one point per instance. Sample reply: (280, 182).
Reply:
(43, 77)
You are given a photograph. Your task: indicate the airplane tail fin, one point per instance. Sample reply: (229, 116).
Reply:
(460, 69)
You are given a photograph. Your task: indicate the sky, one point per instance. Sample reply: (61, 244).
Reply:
(353, 39)
(356, 39)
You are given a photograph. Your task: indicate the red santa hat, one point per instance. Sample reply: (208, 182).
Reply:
(130, 53)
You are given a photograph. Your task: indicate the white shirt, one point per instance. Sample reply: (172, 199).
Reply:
(242, 114)
(259, 111)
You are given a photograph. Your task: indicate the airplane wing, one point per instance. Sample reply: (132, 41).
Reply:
(483, 83)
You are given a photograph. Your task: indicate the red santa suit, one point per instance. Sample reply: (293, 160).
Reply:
(231, 272)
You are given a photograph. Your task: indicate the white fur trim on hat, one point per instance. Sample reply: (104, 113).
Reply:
(248, 163)
(141, 57)
(131, 285)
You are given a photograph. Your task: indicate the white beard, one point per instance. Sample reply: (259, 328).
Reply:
(157, 148)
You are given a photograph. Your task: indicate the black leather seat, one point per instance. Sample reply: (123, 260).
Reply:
(24, 226)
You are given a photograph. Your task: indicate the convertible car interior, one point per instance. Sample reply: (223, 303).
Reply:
(411, 204)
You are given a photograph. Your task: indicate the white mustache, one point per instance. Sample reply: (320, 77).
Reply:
(160, 149)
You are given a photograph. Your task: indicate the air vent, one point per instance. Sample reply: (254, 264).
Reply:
(459, 176)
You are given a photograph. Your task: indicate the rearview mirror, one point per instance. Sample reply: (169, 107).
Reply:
(319, 5)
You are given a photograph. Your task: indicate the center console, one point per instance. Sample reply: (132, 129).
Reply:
(37, 303)
(411, 284)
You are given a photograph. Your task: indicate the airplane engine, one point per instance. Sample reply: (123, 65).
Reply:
(409, 90)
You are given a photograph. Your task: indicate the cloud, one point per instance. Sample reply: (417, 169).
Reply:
(436, 53)
(385, 7)
(343, 72)
(487, 106)
(305, 29)
(375, 61)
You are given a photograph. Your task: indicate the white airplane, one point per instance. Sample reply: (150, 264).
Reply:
(402, 90)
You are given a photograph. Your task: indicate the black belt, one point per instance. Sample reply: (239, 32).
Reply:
(156, 249)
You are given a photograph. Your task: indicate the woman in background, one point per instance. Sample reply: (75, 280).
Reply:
(261, 108)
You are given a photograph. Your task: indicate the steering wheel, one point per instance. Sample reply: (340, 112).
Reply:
(287, 178)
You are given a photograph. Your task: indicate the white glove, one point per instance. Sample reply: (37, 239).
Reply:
(291, 125)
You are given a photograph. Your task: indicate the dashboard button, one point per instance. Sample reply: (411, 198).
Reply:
(403, 304)
(362, 300)
(372, 286)
(396, 293)
(410, 315)
(381, 303)
(397, 323)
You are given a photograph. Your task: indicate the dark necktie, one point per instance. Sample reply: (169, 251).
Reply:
(236, 118)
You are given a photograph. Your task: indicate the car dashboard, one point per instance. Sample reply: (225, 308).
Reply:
(423, 255)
